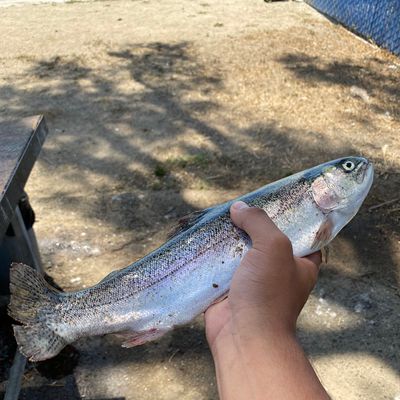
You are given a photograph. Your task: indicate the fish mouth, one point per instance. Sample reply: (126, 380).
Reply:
(367, 177)
(362, 170)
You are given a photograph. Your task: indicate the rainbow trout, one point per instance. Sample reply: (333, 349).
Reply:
(183, 277)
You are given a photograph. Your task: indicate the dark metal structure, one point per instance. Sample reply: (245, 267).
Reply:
(20, 144)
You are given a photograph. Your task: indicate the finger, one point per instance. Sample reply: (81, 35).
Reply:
(309, 270)
(255, 222)
(315, 258)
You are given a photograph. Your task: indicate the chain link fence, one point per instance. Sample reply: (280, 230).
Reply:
(376, 20)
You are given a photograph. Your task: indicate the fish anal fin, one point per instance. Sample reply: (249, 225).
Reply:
(325, 253)
(187, 222)
(132, 339)
(323, 234)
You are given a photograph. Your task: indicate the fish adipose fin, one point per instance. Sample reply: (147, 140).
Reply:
(187, 222)
(33, 304)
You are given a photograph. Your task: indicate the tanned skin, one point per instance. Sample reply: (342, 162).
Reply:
(252, 333)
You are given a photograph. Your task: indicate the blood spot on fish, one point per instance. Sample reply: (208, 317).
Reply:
(215, 285)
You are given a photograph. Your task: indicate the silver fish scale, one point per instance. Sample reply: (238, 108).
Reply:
(287, 199)
(210, 234)
(161, 263)
(123, 294)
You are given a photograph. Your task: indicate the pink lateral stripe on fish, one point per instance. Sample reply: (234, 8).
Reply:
(183, 277)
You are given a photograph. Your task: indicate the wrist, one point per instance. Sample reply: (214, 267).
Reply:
(249, 329)
(262, 323)
(249, 361)
(264, 364)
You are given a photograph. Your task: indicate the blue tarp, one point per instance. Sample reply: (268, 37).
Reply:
(378, 20)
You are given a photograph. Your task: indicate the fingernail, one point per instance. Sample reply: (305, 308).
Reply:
(240, 205)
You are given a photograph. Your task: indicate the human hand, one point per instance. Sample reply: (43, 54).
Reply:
(270, 287)
(252, 332)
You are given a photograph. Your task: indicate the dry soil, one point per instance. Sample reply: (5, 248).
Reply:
(157, 109)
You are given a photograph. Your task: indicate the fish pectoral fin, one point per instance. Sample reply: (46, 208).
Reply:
(110, 275)
(323, 235)
(325, 253)
(132, 339)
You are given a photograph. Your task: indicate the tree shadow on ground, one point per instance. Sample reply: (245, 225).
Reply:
(382, 91)
(133, 133)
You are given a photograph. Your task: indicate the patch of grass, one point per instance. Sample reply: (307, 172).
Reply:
(156, 186)
(27, 58)
(160, 171)
(198, 160)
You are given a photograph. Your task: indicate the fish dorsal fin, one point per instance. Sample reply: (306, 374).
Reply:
(187, 222)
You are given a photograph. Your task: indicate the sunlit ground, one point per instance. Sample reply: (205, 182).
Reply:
(158, 109)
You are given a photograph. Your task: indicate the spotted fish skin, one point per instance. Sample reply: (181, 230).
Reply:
(180, 279)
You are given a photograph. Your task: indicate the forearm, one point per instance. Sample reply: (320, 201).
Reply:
(260, 364)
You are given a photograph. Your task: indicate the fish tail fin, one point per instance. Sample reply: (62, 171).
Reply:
(37, 342)
(33, 303)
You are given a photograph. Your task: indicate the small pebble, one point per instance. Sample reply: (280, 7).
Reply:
(360, 92)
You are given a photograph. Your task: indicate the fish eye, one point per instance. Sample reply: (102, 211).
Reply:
(348, 165)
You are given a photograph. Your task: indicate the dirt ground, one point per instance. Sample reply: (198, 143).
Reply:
(157, 109)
